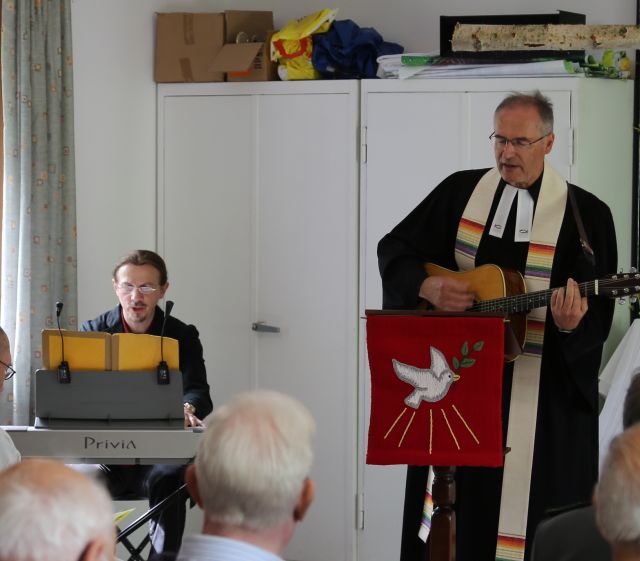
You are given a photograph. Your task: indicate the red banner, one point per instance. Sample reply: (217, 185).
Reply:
(436, 390)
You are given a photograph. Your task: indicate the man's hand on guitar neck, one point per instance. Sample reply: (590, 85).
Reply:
(568, 307)
(447, 294)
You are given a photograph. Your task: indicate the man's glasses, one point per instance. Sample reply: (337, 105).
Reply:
(128, 288)
(9, 371)
(500, 142)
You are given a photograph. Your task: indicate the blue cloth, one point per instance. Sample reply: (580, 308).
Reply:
(349, 51)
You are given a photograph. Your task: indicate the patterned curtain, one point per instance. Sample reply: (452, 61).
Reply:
(39, 212)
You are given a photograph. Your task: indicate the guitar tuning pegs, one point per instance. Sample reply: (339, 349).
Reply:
(633, 300)
(633, 270)
(622, 300)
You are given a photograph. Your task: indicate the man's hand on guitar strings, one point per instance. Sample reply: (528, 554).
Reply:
(447, 294)
(568, 307)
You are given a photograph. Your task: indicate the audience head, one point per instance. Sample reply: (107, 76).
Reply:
(5, 356)
(253, 462)
(617, 494)
(49, 511)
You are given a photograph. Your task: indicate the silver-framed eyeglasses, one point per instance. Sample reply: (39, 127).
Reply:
(128, 288)
(517, 143)
(9, 371)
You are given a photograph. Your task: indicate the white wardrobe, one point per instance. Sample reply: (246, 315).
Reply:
(258, 218)
(271, 200)
(414, 134)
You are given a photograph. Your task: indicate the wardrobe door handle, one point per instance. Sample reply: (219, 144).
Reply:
(264, 327)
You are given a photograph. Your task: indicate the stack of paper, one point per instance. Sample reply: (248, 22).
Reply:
(417, 65)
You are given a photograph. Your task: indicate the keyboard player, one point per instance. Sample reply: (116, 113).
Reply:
(140, 280)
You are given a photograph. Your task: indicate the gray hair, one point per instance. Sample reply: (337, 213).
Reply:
(617, 494)
(253, 459)
(49, 511)
(536, 100)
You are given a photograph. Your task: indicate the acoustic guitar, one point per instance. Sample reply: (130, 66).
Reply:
(503, 291)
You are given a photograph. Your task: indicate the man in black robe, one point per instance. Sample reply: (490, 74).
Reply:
(565, 458)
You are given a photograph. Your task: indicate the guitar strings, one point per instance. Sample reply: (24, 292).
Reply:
(530, 300)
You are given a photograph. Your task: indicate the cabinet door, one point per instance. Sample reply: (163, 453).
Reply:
(306, 285)
(412, 141)
(259, 224)
(205, 228)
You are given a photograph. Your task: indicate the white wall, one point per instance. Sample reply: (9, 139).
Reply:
(115, 103)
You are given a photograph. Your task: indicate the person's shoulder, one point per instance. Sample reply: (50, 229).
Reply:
(462, 180)
(9, 454)
(572, 532)
(468, 175)
(104, 322)
(588, 200)
(573, 518)
(179, 328)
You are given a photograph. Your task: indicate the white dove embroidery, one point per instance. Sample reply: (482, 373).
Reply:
(431, 384)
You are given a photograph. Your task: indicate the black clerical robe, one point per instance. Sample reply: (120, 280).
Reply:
(565, 459)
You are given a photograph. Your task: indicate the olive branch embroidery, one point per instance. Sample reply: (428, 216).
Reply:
(466, 360)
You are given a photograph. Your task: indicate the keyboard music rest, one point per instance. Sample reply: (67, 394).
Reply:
(108, 395)
(88, 446)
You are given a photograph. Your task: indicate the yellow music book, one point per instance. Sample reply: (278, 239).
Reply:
(133, 351)
(95, 350)
(83, 350)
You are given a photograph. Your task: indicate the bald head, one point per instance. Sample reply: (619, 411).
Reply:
(5, 355)
(4, 340)
(48, 510)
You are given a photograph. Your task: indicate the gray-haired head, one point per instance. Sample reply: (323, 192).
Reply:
(50, 511)
(617, 493)
(254, 459)
(534, 99)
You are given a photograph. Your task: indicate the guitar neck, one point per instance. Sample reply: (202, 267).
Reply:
(529, 300)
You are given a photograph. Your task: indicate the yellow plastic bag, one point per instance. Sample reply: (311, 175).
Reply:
(292, 45)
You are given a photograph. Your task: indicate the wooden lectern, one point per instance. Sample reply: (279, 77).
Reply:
(436, 394)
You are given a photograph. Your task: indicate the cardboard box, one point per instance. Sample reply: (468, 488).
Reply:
(186, 45)
(245, 55)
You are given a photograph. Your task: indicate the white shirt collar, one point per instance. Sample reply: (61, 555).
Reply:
(203, 547)
(524, 214)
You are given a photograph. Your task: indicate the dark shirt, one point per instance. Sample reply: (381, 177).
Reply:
(570, 536)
